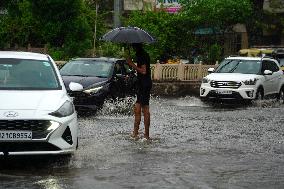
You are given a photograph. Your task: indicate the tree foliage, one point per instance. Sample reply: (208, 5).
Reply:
(160, 25)
(19, 26)
(217, 13)
(175, 33)
(66, 26)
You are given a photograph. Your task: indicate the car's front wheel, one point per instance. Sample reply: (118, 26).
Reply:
(258, 97)
(259, 94)
(77, 145)
(281, 95)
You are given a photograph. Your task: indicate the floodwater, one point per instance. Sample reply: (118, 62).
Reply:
(195, 145)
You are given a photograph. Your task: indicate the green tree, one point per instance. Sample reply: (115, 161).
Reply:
(175, 33)
(18, 26)
(161, 25)
(96, 18)
(67, 26)
(218, 17)
(64, 25)
(217, 13)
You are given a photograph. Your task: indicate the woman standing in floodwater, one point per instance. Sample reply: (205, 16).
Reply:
(144, 85)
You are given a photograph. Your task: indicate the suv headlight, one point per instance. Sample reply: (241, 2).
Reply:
(250, 81)
(205, 80)
(93, 90)
(66, 109)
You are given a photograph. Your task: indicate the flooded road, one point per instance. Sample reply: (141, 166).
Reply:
(195, 145)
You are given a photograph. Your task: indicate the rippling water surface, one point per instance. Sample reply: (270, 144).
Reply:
(194, 145)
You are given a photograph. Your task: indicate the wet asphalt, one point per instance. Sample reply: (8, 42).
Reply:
(194, 145)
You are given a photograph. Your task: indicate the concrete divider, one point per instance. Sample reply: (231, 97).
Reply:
(176, 88)
(179, 72)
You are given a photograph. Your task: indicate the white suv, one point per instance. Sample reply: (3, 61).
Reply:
(244, 78)
(36, 114)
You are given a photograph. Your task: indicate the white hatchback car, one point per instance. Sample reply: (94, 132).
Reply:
(36, 114)
(244, 78)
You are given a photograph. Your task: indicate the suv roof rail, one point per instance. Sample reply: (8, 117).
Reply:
(267, 56)
(233, 55)
(267, 46)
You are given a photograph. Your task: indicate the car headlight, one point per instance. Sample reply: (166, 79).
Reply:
(54, 125)
(205, 80)
(66, 109)
(93, 90)
(250, 81)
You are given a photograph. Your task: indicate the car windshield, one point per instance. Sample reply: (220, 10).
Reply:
(239, 66)
(24, 74)
(87, 68)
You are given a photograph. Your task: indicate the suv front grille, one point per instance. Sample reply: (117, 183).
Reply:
(38, 127)
(225, 84)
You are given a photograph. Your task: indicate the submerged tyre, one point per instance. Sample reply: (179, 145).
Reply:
(258, 100)
(259, 95)
(280, 96)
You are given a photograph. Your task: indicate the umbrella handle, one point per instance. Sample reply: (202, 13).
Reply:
(127, 53)
(128, 48)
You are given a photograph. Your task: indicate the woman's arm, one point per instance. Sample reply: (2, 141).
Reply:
(141, 70)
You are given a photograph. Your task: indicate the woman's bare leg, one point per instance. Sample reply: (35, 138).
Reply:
(137, 119)
(146, 113)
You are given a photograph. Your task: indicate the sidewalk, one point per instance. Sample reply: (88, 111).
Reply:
(176, 88)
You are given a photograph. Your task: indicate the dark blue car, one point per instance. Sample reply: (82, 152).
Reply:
(101, 78)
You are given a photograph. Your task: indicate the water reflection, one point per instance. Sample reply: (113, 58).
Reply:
(33, 162)
(49, 183)
(33, 171)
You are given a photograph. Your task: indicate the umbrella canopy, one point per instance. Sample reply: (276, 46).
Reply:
(128, 35)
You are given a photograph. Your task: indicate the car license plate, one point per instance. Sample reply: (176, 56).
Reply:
(15, 135)
(223, 92)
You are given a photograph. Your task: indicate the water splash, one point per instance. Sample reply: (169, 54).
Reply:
(267, 103)
(122, 106)
(117, 107)
(190, 101)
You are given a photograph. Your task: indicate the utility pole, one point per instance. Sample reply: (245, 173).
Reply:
(117, 13)
(95, 32)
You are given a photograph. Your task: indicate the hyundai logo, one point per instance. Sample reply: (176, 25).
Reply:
(223, 83)
(11, 114)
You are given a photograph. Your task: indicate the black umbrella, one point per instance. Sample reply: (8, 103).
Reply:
(128, 35)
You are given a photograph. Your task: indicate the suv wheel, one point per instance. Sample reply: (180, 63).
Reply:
(77, 145)
(259, 94)
(281, 95)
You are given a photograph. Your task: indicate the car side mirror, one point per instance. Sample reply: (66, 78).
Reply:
(210, 70)
(75, 86)
(267, 72)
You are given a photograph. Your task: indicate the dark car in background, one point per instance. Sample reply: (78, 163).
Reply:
(101, 78)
